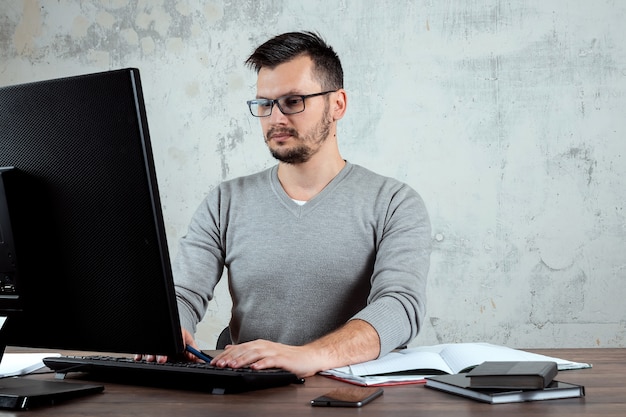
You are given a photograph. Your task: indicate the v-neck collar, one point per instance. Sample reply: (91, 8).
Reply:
(299, 210)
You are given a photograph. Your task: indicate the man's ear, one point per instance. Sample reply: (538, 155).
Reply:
(338, 104)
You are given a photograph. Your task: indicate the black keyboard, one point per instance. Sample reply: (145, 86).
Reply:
(181, 375)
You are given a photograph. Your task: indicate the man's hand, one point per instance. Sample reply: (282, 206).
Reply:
(187, 340)
(357, 341)
(262, 354)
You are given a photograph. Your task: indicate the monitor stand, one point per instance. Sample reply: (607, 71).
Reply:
(20, 393)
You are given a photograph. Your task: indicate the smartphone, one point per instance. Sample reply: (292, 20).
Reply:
(348, 397)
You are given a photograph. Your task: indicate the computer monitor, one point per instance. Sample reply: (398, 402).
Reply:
(84, 262)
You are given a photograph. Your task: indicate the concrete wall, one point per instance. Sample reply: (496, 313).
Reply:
(507, 116)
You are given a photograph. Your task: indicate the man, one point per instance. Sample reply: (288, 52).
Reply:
(326, 261)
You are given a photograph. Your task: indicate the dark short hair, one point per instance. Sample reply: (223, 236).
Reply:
(283, 48)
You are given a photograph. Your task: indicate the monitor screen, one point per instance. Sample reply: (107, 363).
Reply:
(84, 263)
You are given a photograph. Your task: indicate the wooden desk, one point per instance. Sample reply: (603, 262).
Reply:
(605, 386)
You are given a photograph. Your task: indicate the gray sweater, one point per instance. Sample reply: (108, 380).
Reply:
(359, 249)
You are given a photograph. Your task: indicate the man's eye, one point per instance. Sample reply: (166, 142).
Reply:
(292, 101)
(264, 104)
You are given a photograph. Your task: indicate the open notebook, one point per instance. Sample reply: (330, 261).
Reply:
(413, 365)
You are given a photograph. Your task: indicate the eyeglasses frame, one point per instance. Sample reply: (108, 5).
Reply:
(276, 102)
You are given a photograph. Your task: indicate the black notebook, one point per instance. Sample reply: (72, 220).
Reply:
(460, 385)
(513, 375)
(18, 393)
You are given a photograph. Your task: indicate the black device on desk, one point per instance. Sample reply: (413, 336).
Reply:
(84, 261)
(348, 397)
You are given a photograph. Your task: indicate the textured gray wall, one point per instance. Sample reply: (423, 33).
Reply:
(507, 116)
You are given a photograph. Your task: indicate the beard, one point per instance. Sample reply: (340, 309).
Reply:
(308, 144)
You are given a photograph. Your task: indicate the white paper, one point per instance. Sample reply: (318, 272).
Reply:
(22, 363)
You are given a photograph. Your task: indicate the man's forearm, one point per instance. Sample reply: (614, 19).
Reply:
(356, 341)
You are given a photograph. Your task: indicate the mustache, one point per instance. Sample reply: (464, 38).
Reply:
(282, 130)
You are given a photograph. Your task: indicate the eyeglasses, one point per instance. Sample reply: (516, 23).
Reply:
(291, 104)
